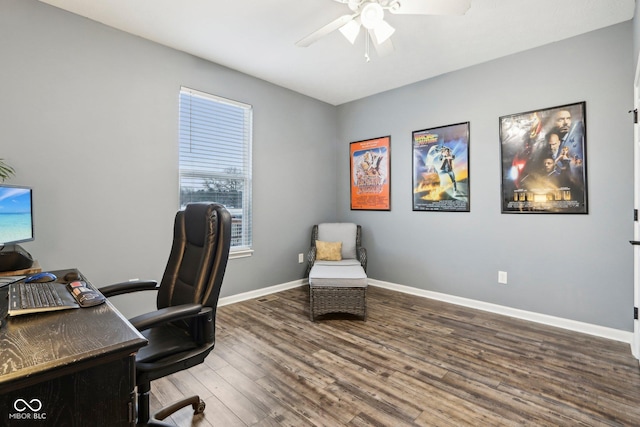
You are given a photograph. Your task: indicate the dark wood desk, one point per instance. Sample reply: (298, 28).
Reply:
(67, 368)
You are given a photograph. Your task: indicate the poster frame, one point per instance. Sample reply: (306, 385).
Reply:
(370, 174)
(439, 185)
(528, 147)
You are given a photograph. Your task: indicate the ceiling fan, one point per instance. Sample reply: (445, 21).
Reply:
(369, 14)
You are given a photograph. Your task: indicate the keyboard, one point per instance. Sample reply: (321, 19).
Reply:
(27, 298)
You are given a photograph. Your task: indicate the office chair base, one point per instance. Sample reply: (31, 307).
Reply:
(196, 403)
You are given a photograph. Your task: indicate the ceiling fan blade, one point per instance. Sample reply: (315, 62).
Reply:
(430, 7)
(329, 28)
(383, 49)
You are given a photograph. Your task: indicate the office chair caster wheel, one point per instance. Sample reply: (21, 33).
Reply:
(198, 408)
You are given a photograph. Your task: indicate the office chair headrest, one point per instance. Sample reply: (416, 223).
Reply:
(196, 217)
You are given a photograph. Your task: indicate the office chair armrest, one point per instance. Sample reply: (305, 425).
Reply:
(128, 287)
(165, 315)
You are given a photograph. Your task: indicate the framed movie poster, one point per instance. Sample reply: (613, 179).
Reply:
(441, 169)
(371, 174)
(544, 160)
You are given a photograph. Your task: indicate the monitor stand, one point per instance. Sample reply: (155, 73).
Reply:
(14, 257)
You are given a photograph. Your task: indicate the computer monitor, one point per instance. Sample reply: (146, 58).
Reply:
(16, 214)
(16, 226)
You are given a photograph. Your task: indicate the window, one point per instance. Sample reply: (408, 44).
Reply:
(215, 159)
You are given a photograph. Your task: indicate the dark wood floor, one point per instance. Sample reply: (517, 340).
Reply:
(414, 362)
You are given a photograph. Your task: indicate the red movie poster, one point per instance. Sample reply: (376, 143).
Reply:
(370, 174)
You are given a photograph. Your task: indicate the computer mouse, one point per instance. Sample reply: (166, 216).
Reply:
(41, 278)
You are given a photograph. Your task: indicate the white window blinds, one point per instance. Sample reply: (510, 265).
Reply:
(215, 157)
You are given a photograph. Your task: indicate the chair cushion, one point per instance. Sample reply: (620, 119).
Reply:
(328, 251)
(344, 232)
(337, 263)
(337, 275)
(164, 341)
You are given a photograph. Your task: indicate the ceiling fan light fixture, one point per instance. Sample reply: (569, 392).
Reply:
(351, 30)
(382, 32)
(372, 15)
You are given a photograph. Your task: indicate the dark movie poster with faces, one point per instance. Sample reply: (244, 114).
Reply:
(544, 160)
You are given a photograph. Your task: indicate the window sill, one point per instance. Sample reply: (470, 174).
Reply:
(240, 253)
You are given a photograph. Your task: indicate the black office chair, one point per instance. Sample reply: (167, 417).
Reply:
(181, 333)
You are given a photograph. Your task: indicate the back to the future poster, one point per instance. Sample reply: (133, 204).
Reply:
(441, 169)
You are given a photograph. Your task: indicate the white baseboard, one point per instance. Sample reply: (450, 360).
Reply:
(587, 328)
(572, 325)
(261, 292)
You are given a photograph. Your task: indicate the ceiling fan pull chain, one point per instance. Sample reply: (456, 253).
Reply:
(366, 48)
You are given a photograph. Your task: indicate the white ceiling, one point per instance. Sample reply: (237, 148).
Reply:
(257, 37)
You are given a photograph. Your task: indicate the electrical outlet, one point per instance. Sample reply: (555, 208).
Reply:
(300, 258)
(502, 277)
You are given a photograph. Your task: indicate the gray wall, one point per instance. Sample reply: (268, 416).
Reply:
(97, 109)
(89, 118)
(577, 267)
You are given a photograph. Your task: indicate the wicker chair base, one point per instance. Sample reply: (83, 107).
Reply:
(331, 299)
